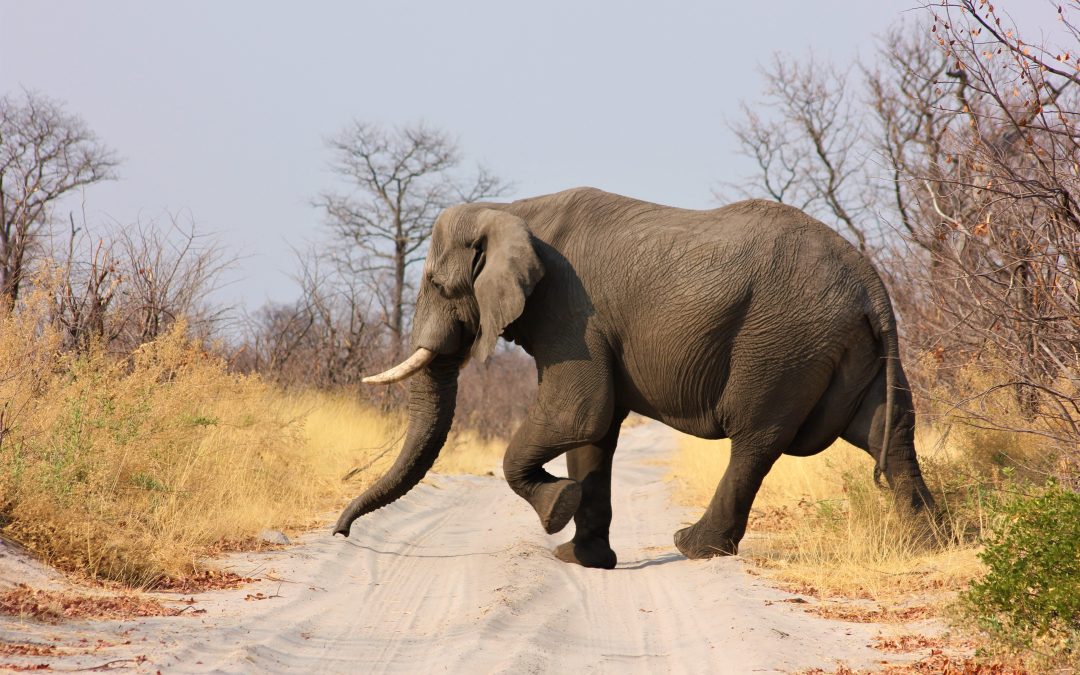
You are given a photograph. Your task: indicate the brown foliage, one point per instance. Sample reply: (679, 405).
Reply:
(863, 614)
(27, 649)
(940, 663)
(902, 644)
(54, 606)
(203, 580)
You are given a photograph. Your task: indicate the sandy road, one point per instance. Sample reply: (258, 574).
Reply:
(458, 577)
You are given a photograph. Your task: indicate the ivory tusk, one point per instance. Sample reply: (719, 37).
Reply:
(407, 368)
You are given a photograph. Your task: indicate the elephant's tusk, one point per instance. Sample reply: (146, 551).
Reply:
(407, 368)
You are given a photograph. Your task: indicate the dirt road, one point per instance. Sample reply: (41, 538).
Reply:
(458, 577)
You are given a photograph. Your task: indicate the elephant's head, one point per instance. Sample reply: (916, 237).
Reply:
(480, 269)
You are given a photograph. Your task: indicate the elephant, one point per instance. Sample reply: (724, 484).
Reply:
(753, 322)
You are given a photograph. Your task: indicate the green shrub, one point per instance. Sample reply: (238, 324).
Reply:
(1031, 592)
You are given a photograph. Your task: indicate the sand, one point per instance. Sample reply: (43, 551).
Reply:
(458, 577)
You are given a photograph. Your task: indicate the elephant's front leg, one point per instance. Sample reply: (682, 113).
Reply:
(574, 408)
(590, 465)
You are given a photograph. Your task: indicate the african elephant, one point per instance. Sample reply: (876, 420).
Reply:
(752, 322)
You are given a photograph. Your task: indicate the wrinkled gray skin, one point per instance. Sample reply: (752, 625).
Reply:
(752, 322)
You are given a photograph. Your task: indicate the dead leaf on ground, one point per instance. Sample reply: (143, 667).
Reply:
(205, 580)
(902, 644)
(857, 614)
(27, 649)
(54, 606)
(939, 662)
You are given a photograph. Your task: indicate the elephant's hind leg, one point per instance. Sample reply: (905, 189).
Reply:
(720, 529)
(590, 465)
(867, 431)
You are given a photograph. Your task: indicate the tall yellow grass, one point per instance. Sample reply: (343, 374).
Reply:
(821, 524)
(132, 468)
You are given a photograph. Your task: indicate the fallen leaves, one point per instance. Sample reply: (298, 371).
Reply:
(862, 614)
(903, 644)
(796, 601)
(27, 649)
(54, 606)
(205, 580)
(242, 545)
(939, 663)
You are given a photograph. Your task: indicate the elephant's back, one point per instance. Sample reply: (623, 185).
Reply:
(587, 220)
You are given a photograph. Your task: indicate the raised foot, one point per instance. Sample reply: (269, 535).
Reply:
(697, 546)
(587, 554)
(556, 503)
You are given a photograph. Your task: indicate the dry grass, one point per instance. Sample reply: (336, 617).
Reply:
(821, 525)
(466, 452)
(132, 468)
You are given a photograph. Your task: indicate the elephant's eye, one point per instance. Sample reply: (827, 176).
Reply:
(437, 285)
(478, 262)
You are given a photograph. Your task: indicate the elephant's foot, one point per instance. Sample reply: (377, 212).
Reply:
(556, 503)
(589, 553)
(696, 543)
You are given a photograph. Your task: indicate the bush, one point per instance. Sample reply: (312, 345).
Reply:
(1031, 591)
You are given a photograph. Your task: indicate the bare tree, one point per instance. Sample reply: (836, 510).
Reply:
(134, 283)
(169, 271)
(910, 129)
(84, 289)
(324, 339)
(808, 145)
(1009, 208)
(401, 179)
(45, 153)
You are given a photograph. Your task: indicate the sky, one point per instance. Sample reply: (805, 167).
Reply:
(220, 110)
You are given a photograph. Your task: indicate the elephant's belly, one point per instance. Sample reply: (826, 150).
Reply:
(703, 426)
(690, 414)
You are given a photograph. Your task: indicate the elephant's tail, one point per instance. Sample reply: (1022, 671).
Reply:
(892, 355)
(885, 322)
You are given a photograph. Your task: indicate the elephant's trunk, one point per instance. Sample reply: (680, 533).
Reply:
(432, 396)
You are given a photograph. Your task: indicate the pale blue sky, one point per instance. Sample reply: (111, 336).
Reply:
(221, 108)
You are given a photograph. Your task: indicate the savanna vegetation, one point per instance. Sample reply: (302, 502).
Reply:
(133, 466)
(141, 430)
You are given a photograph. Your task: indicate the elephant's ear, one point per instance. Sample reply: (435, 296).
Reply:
(511, 270)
